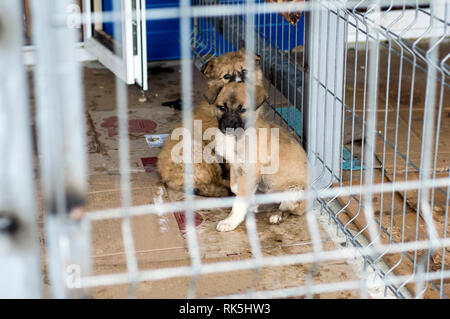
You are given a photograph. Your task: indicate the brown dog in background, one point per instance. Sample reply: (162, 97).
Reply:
(279, 161)
(210, 179)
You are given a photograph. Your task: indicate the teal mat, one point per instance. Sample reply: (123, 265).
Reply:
(347, 161)
(293, 117)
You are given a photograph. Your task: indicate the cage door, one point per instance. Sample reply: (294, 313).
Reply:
(119, 44)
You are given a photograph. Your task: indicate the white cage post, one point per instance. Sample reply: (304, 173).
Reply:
(324, 56)
(20, 275)
(62, 151)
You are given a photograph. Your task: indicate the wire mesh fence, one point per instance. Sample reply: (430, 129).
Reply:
(362, 85)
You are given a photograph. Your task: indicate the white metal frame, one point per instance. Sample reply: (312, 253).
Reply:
(327, 35)
(19, 246)
(399, 22)
(130, 68)
(63, 162)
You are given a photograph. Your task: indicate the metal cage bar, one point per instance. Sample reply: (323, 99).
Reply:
(61, 146)
(19, 243)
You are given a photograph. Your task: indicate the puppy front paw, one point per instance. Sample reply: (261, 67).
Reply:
(227, 224)
(276, 219)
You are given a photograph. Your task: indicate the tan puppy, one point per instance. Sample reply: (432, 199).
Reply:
(229, 67)
(210, 179)
(279, 162)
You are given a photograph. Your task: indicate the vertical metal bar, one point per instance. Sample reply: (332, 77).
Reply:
(320, 139)
(413, 77)
(308, 52)
(87, 29)
(275, 67)
(127, 39)
(20, 275)
(428, 125)
(124, 149)
(61, 144)
(250, 220)
(386, 110)
(141, 59)
(397, 117)
(447, 203)
(423, 200)
(364, 120)
(344, 87)
(312, 21)
(371, 117)
(186, 85)
(336, 149)
(355, 75)
(281, 91)
(264, 39)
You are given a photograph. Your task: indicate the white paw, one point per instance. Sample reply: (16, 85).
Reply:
(275, 219)
(227, 224)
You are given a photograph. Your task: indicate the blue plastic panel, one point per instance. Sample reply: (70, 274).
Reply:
(163, 36)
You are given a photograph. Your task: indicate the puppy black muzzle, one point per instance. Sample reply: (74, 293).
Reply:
(230, 122)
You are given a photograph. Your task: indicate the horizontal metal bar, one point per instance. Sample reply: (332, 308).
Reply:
(163, 208)
(229, 9)
(272, 261)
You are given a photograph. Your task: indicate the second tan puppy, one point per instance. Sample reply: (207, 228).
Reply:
(227, 68)
(279, 162)
(210, 179)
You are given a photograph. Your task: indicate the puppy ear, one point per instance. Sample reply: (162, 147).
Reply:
(261, 96)
(257, 58)
(211, 93)
(208, 67)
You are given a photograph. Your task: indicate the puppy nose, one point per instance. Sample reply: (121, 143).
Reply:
(230, 123)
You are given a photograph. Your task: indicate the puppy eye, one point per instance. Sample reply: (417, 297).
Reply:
(222, 108)
(227, 76)
(244, 71)
(241, 109)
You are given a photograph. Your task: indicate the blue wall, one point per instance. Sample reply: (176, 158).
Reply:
(163, 35)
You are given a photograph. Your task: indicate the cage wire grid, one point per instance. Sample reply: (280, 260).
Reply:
(309, 95)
